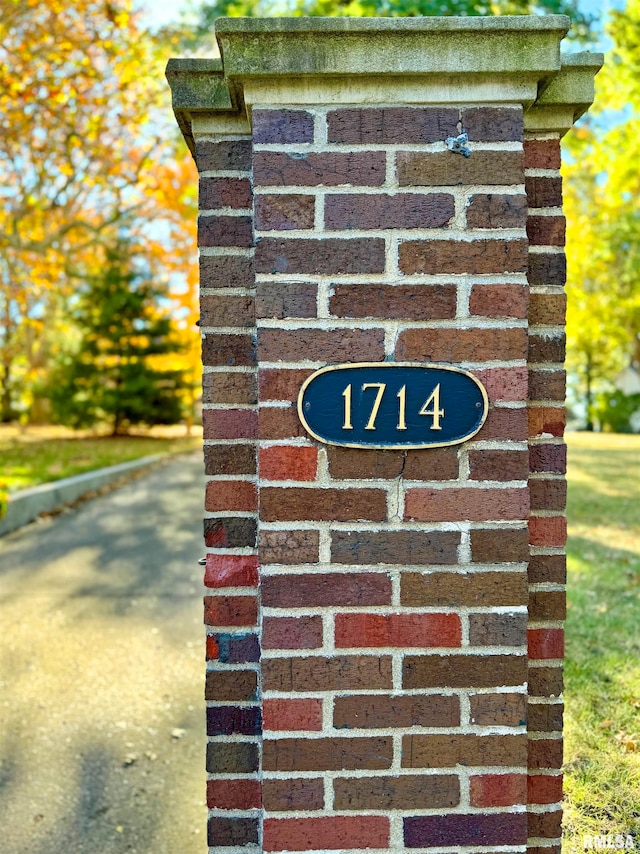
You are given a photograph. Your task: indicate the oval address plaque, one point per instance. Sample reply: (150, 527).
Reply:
(392, 405)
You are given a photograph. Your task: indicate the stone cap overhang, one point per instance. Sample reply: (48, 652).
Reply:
(416, 61)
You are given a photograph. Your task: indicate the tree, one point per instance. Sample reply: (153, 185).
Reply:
(112, 372)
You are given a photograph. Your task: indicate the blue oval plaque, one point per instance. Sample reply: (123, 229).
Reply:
(392, 405)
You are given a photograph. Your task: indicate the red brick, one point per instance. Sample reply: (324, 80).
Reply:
(281, 126)
(230, 533)
(408, 792)
(339, 673)
(230, 610)
(286, 299)
(492, 210)
(546, 230)
(545, 753)
(547, 419)
(546, 348)
(544, 789)
(331, 832)
(212, 648)
(546, 643)
(504, 423)
(397, 630)
(230, 459)
(224, 193)
(493, 124)
(498, 465)
(226, 570)
(547, 269)
(453, 589)
(446, 750)
(230, 424)
(292, 632)
(550, 531)
(411, 548)
(499, 300)
(284, 211)
(400, 302)
(281, 384)
(542, 154)
(231, 495)
(226, 271)
(321, 345)
(219, 230)
(544, 192)
(463, 256)
(402, 210)
(498, 790)
(327, 754)
(314, 169)
(377, 711)
(463, 671)
(291, 795)
(505, 383)
(329, 256)
(234, 794)
(444, 169)
(466, 345)
(225, 155)
(292, 714)
(229, 350)
(323, 505)
(231, 387)
(316, 589)
(499, 546)
(389, 125)
(478, 505)
(288, 547)
(286, 462)
(545, 682)
(279, 423)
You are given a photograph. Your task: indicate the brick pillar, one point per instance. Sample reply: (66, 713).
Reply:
(392, 592)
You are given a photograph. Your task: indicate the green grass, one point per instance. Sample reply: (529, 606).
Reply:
(42, 454)
(602, 686)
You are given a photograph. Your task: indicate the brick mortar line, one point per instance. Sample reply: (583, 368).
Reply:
(225, 251)
(225, 211)
(535, 172)
(308, 364)
(227, 292)
(401, 279)
(390, 483)
(535, 249)
(458, 233)
(437, 147)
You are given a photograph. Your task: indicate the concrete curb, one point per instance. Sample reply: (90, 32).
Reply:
(27, 504)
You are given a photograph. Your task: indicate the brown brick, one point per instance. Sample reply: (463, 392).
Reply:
(544, 192)
(321, 345)
(282, 384)
(501, 423)
(498, 465)
(547, 419)
(547, 309)
(411, 548)
(545, 825)
(548, 458)
(452, 589)
(548, 532)
(548, 494)
(229, 459)
(319, 590)
(445, 169)
(231, 350)
(231, 495)
(545, 753)
(335, 831)
(227, 311)
(431, 464)
(287, 462)
(230, 388)
(504, 383)
(547, 385)
(326, 169)
(222, 831)
(231, 685)
(547, 269)
(292, 795)
(402, 630)
(289, 547)
(542, 154)
(493, 124)
(491, 210)
(277, 423)
(226, 271)
(389, 125)
(449, 750)
(329, 256)
(476, 505)
(547, 605)
(462, 671)
(499, 546)
(499, 300)
(227, 155)
(497, 629)
(545, 681)
(291, 632)
(382, 712)
(545, 717)
(224, 794)
(230, 532)
(408, 792)
(498, 709)
(224, 193)
(547, 568)
(462, 256)
(220, 230)
(401, 302)
(286, 299)
(339, 673)
(546, 230)
(498, 790)
(284, 212)
(322, 505)
(403, 210)
(230, 610)
(232, 758)
(230, 424)
(458, 829)
(281, 126)
(327, 754)
(231, 570)
(299, 713)
(467, 345)
(547, 348)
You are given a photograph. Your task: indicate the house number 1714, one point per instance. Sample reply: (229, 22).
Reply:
(432, 401)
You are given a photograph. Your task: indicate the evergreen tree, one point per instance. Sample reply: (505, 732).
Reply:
(114, 374)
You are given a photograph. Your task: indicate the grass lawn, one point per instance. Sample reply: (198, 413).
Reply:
(42, 454)
(602, 686)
